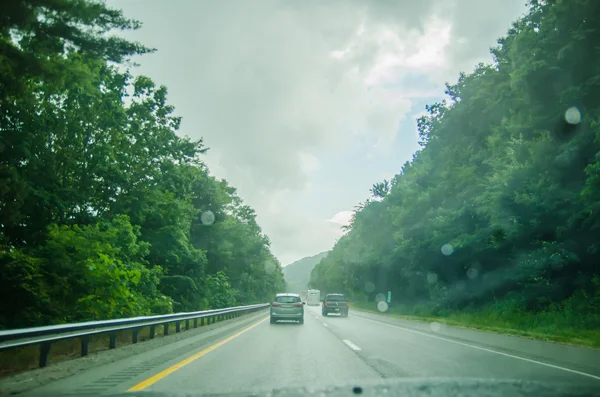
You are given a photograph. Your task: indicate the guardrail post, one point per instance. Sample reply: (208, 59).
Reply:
(134, 335)
(166, 329)
(44, 353)
(112, 342)
(195, 323)
(85, 344)
(187, 324)
(201, 321)
(152, 331)
(177, 326)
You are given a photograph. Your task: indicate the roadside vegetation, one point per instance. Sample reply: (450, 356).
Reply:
(495, 222)
(105, 210)
(552, 326)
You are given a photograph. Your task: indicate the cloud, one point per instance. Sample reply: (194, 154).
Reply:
(276, 88)
(308, 163)
(342, 218)
(300, 232)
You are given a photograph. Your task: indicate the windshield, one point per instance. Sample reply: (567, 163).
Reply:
(243, 195)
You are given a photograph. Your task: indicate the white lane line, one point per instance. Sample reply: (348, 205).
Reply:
(486, 350)
(325, 324)
(352, 345)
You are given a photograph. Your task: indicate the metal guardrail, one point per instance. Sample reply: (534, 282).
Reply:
(44, 336)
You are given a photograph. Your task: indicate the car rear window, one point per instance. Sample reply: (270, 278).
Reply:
(287, 299)
(336, 298)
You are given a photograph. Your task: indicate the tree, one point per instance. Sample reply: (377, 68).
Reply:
(106, 211)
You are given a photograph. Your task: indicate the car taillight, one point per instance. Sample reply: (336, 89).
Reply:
(347, 304)
(275, 304)
(326, 304)
(297, 304)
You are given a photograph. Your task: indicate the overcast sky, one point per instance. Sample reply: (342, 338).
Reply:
(306, 104)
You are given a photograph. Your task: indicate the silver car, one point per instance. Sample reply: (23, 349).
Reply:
(287, 307)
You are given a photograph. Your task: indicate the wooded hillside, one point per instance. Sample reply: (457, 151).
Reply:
(498, 212)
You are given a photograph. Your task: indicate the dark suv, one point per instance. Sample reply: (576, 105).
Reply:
(335, 303)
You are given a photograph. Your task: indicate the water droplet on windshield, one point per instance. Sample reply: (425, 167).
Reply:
(447, 249)
(382, 306)
(369, 287)
(573, 115)
(435, 326)
(207, 218)
(432, 278)
(472, 273)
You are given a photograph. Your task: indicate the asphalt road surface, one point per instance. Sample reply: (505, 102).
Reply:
(252, 355)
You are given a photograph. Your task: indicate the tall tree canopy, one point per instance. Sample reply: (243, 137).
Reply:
(501, 201)
(105, 211)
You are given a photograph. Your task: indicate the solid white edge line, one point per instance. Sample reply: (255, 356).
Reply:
(325, 324)
(351, 345)
(487, 350)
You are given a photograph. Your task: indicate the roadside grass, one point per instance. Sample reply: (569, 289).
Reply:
(555, 326)
(27, 358)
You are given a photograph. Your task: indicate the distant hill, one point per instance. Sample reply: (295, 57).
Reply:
(297, 274)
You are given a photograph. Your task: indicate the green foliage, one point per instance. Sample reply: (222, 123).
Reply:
(105, 211)
(498, 211)
(99, 271)
(35, 37)
(219, 291)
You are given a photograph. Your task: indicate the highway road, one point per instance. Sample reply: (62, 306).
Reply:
(249, 354)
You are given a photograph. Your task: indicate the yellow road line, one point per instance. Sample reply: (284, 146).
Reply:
(162, 374)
